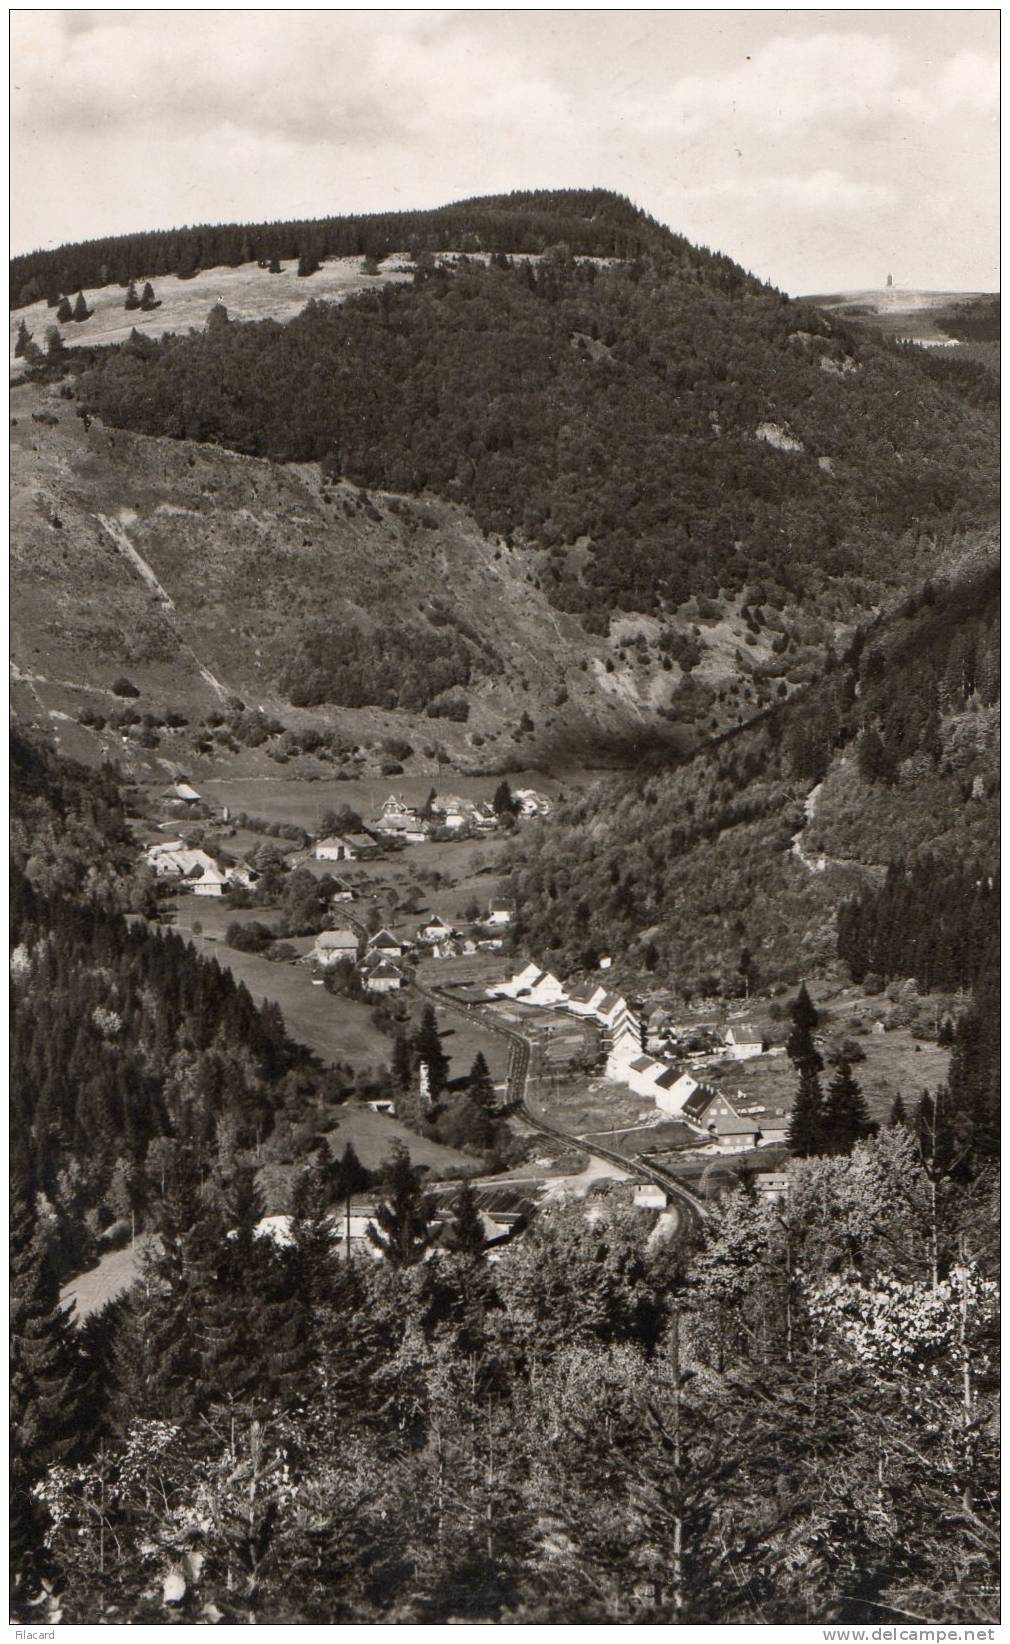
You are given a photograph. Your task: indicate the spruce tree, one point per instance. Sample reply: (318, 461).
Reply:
(480, 1085)
(403, 1234)
(806, 1122)
(350, 1176)
(132, 300)
(898, 1115)
(428, 1049)
(800, 1047)
(148, 300)
(47, 1415)
(846, 1118)
(232, 1340)
(24, 337)
(466, 1236)
(275, 265)
(81, 309)
(64, 312)
(402, 1063)
(45, 1365)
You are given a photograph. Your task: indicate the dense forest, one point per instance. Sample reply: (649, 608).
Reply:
(592, 222)
(685, 867)
(591, 1430)
(653, 436)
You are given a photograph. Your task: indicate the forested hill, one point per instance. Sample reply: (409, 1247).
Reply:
(591, 222)
(651, 437)
(878, 781)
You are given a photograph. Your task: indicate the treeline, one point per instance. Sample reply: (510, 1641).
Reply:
(592, 222)
(935, 921)
(613, 410)
(598, 1428)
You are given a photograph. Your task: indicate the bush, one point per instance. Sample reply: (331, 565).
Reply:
(390, 767)
(124, 687)
(251, 938)
(449, 708)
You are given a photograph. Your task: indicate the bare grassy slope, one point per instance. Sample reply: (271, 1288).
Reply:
(181, 564)
(248, 293)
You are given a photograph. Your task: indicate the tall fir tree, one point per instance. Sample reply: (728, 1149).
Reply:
(846, 1117)
(466, 1235)
(132, 300)
(48, 1418)
(404, 1216)
(81, 309)
(64, 311)
(428, 1049)
(24, 337)
(402, 1066)
(148, 300)
(806, 1122)
(480, 1085)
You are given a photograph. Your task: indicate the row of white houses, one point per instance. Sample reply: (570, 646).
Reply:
(676, 1091)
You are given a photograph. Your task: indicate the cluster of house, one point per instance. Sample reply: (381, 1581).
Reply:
(195, 870)
(731, 1122)
(376, 956)
(407, 824)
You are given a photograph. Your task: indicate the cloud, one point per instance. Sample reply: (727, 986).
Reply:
(819, 191)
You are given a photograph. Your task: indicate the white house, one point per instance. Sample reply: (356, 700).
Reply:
(383, 978)
(499, 913)
(180, 793)
(673, 1093)
(742, 1040)
(625, 1050)
(177, 861)
(211, 882)
(530, 802)
(648, 1196)
(335, 848)
(519, 983)
(385, 943)
(585, 999)
(437, 929)
(714, 1115)
(333, 945)
(547, 990)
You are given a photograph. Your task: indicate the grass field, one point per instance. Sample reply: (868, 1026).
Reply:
(293, 799)
(336, 1029)
(113, 1274)
(248, 293)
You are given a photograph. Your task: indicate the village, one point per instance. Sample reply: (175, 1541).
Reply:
(350, 927)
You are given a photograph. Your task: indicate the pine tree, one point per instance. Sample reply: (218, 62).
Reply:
(800, 1047)
(308, 263)
(806, 1122)
(64, 312)
(480, 1085)
(899, 1115)
(233, 1341)
(132, 300)
(404, 1217)
(81, 309)
(24, 337)
(466, 1237)
(148, 300)
(45, 1366)
(350, 1176)
(47, 1415)
(275, 265)
(402, 1063)
(846, 1118)
(503, 801)
(428, 1049)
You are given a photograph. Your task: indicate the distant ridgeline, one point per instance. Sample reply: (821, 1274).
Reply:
(591, 222)
(656, 430)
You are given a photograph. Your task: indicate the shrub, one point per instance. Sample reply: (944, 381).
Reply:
(124, 687)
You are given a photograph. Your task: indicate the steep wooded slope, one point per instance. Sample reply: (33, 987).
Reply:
(891, 758)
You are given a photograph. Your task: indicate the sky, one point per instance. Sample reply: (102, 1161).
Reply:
(821, 149)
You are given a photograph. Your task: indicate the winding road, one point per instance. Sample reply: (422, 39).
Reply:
(520, 1068)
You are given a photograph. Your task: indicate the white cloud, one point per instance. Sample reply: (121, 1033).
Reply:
(817, 191)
